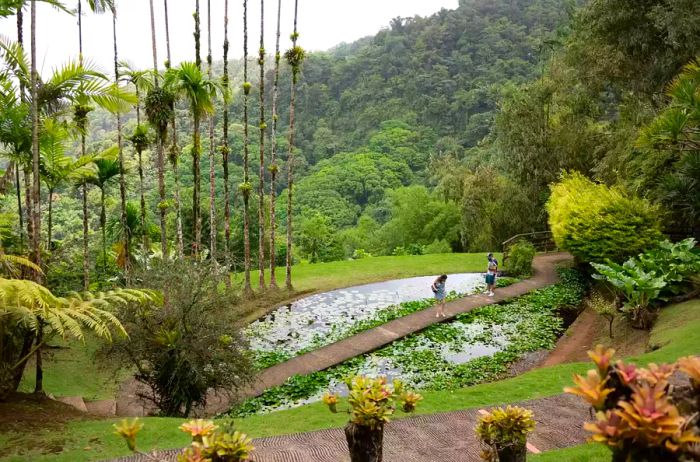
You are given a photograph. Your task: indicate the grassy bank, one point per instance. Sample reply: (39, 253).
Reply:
(673, 336)
(333, 275)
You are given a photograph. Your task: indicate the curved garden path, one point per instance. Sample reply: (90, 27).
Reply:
(545, 274)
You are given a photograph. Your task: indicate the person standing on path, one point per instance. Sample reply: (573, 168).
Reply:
(438, 289)
(491, 273)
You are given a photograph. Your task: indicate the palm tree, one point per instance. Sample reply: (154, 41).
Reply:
(141, 82)
(161, 145)
(108, 168)
(174, 150)
(56, 167)
(36, 188)
(212, 165)
(196, 191)
(245, 187)
(295, 57)
(273, 152)
(190, 83)
(81, 120)
(120, 157)
(225, 148)
(263, 126)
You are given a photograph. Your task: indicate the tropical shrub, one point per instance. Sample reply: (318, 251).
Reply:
(638, 287)
(438, 246)
(372, 402)
(504, 432)
(520, 258)
(639, 416)
(596, 223)
(191, 345)
(210, 443)
(657, 274)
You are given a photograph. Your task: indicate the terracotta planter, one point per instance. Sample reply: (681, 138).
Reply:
(364, 444)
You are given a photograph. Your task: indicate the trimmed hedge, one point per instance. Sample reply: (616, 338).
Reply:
(596, 223)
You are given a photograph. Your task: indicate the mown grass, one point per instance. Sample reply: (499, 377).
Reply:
(674, 335)
(333, 275)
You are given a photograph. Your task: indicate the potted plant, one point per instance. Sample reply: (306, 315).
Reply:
(209, 442)
(371, 403)
(504, 432)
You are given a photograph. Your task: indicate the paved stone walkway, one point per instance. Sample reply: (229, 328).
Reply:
(447, 437)
(545, 274)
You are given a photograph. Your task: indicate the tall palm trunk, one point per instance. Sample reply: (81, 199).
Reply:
(273, 154)
(103, 227)
(142, 191)
(122, 179)
(290, 156)
(36, 189)
(36, 185)
(197, 220)
(86, 232)
(29, 205)
(49, 225)
(174, 151)
(161, 147)
(212, 165)
(20, 212)
(246, 179)
(261, 190)
(225, 153)
(86, 225)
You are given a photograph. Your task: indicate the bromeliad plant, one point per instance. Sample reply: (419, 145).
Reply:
(372, 402)
(504, 432)
(209, 442)
(640, 417)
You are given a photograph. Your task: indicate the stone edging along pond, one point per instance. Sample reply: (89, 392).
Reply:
(474, 347)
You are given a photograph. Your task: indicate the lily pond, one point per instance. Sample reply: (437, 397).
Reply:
(475, 347)
(319, 320)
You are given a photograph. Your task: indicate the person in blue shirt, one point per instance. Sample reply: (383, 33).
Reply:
(491, 273)
(438, 288)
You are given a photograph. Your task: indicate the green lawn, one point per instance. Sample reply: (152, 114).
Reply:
(674, 335)
(71, 370)
(333, 275)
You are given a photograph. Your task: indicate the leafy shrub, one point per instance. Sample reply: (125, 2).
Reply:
(359, 254)
(438, 246)
(209, 442)
(639, 416)
(596, 223)
(520, 258)
(660, 272)
(190, 346)
(505, 432)
(411, 249)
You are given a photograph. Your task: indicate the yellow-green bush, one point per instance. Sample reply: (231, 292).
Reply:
(595, 222)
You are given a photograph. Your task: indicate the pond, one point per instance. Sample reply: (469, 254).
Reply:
(323, 318)
(474, 347)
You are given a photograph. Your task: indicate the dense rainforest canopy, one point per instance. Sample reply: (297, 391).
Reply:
(437, 134)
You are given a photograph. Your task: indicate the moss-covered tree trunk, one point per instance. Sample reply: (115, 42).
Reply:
(261, 189)
(225, 154)
(364, 444)
(212, 163)
(247, 289)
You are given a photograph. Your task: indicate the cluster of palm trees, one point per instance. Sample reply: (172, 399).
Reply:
(41, 116)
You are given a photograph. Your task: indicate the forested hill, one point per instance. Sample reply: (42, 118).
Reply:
(442, 72)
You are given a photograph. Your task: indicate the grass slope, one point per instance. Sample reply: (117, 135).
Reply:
(674, 335)
(333, 275)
